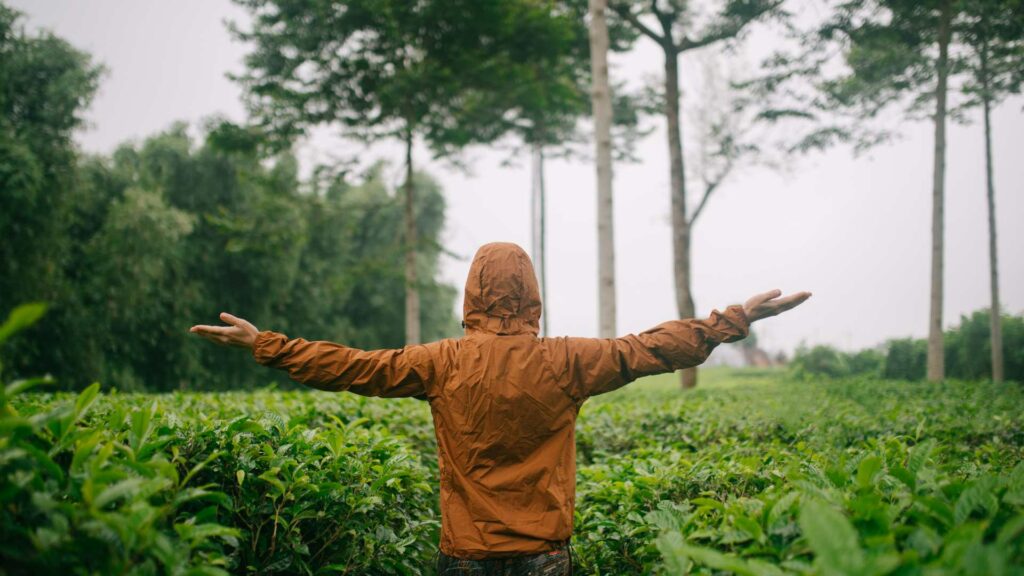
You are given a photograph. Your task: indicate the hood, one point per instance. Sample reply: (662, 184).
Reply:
(502, 296)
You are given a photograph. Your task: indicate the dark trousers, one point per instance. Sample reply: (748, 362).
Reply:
(554, 563)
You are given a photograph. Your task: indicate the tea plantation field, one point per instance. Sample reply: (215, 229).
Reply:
(752, 473)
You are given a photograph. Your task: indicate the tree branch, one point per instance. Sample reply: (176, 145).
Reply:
(626, 14)
(709, 187)
(725, 30)
(666, 21)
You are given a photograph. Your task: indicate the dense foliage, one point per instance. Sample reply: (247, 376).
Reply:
(751, 474)
(131, 249)
(967, 354)
(756, 475)
(167, 234)
(268, 483)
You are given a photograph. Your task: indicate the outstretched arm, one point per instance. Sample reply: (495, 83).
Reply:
(328, 366)
(599, 365)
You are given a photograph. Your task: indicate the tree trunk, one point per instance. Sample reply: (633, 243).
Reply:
(538, 223)
(602, 104)
(412, 295)
(680, 220)
(993, 260)
(936, 355)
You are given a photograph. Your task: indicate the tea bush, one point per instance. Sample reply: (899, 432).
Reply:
(267, 483)
(751, 474)
(127, 484)
(770, 477)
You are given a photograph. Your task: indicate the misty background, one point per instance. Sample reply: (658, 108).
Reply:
(854, 231)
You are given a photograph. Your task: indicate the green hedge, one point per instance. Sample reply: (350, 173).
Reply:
(968, 354)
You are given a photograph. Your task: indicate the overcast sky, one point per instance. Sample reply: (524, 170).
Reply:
(854, 231)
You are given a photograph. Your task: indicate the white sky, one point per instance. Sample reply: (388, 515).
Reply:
(853, 231)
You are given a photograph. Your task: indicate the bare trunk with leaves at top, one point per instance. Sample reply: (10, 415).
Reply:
(412, 295)
(672, 16)
(602, 104)
(993, 259)
(680, 220)
(539, 225)
(936, 354)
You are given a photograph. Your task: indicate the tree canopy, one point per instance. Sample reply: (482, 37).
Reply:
(130, 249)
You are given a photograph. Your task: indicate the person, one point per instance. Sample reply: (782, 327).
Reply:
(504, 403)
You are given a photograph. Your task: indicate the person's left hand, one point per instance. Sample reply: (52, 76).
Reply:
(240, 333)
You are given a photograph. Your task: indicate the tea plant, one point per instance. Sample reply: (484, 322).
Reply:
(853, 477)
(204, 484)
(751, 474)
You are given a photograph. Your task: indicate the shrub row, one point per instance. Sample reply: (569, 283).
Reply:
(968, 354)
(266, 483)
(856, 477)
(758, 476)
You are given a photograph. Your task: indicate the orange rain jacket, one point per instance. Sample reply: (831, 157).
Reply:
(504, 401)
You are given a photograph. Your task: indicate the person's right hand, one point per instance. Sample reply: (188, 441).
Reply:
(769, 304)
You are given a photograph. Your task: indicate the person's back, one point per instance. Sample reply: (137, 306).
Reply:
(504, 402)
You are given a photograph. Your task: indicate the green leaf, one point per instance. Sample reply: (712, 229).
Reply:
(1011, 531)
(919, 455)
(19, 386)
(979, 495)
(904, 475)
(191, 494)
(20, 318)
(142, 426)
(85, 400)
(270, 477)
(832, 538)
(867, 470)
(751, 527)
(673, 553)
(708, 504)
(199, 532)
(124, 489)
(84, 449)
(206, 571)
(44, 461)
(716, 560)
(781, 506)
(198, 467)
(1014, 494)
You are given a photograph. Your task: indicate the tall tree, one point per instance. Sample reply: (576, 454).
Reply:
(538, 229)
(602, 107)
(553, 94)
(383, 69)
(559, 79)
(675, 32)
(993, 32)
(389, 69)
(45, 87)
(936, 350)
(896, 56)
(546, 102)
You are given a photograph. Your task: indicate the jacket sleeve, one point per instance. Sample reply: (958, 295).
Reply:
(333, 367)
(599, 365)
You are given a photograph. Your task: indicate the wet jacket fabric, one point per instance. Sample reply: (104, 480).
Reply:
(504, 401)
